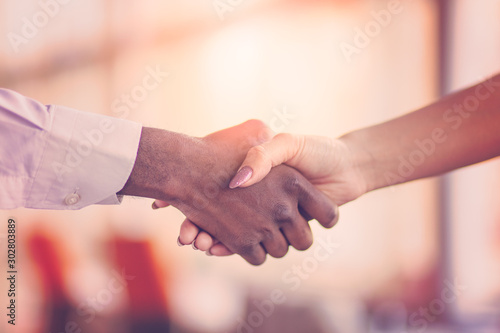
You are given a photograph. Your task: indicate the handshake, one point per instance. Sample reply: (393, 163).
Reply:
(242, 189)
(239, 198)
(236, 196)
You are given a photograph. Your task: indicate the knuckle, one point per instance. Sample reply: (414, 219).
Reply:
(292, 183)
(283, 213)
(256, 123)
(244, 249)
(267, 233)
(262, 132)
(245, 246)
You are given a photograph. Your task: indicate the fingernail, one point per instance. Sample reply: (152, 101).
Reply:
(241, 177)
(154, 206)
(179, 242)
(194, 246)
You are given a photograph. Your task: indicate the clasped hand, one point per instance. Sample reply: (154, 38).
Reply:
(261, 219)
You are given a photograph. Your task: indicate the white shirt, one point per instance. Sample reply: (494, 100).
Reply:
(53, 157)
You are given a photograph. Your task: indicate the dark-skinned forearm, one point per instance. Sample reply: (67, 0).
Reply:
(160, 156)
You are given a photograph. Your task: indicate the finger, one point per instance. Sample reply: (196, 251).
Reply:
(317, 205)
(260, 159)
(220, 250)
(188, 232)
(160, 204)
(203, 241)
(255, 255)
(277, 247)
(304, 214)
(298, 233)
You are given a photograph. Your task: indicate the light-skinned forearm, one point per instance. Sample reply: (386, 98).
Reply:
(459, 130)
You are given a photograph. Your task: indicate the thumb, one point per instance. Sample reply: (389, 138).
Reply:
(262, 158)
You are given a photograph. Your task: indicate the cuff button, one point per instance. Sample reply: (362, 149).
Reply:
(72, 199)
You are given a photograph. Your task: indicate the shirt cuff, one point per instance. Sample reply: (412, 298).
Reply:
(87, 159)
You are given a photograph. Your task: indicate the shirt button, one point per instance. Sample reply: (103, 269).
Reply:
(72, 199)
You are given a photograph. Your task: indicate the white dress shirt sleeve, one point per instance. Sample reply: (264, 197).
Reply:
(54, 157)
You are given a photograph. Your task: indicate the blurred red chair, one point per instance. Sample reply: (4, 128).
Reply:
(148, 310)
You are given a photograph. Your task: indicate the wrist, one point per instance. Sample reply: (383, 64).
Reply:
(163, 160)
(363, 160)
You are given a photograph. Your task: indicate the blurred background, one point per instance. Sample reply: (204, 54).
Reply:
(418, 257)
